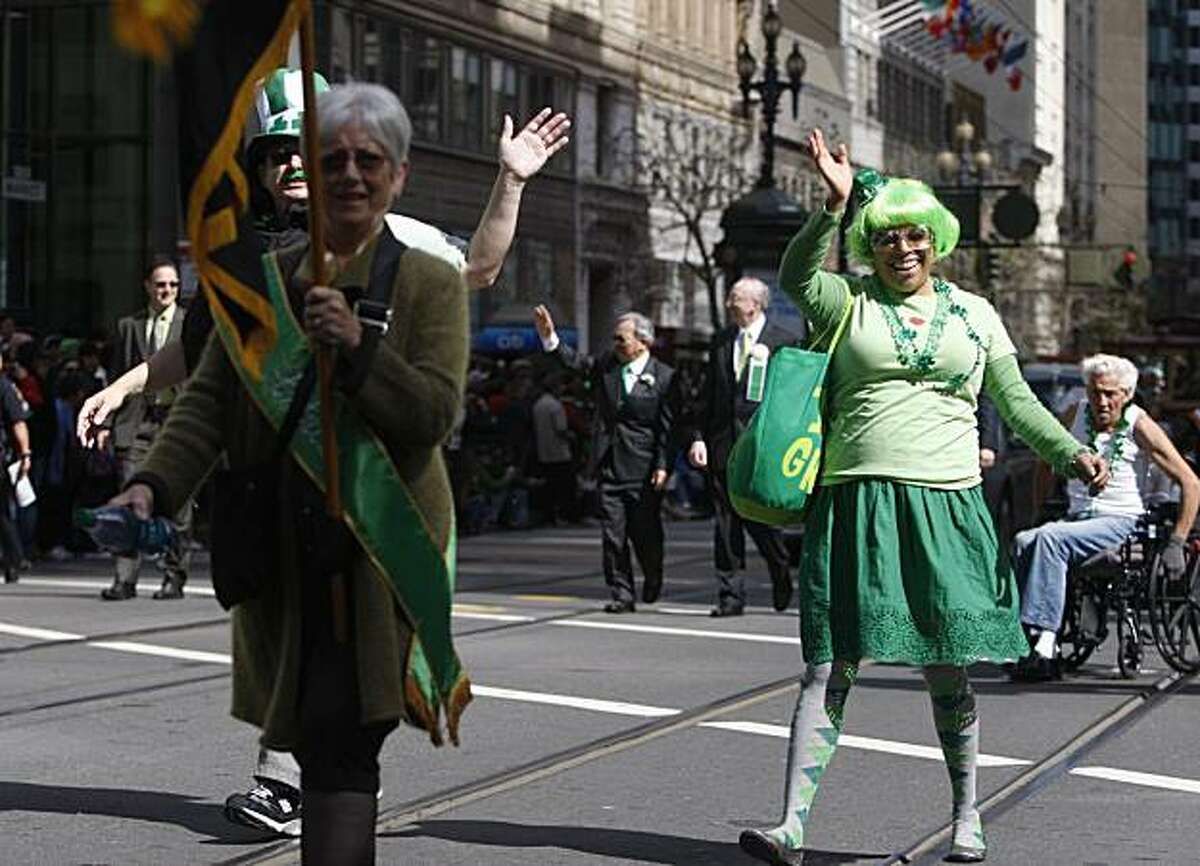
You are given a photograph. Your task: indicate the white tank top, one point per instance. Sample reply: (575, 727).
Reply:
(1122, 495)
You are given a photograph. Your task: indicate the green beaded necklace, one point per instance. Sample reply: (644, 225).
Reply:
(1116, 442)
(923, 361)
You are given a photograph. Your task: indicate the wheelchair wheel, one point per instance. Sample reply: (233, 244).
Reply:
(1084, 625)
(1129, 643)
(1175, 614)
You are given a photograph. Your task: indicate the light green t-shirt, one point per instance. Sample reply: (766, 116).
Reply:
(885, 420)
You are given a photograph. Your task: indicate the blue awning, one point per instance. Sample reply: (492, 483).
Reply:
(516, 340)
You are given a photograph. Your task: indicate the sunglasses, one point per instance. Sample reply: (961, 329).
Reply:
(337, 161)
(162, 284)
(917, 237)
(283, 154)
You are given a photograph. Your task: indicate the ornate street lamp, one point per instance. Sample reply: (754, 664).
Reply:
(971, 166)
(770, 87)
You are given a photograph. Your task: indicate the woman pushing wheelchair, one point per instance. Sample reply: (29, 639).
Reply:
(901, 563)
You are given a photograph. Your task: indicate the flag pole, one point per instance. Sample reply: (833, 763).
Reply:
(316, 233)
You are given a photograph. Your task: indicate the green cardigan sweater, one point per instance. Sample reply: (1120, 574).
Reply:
(408, 386)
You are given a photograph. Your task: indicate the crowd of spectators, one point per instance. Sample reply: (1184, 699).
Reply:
(54, 374)
(499, 478)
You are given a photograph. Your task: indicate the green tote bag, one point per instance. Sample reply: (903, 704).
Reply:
(774, 464)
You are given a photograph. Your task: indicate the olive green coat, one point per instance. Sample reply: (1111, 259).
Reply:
(410, 395)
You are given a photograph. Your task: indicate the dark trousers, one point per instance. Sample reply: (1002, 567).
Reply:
(337, 751)
(559, 497)
(10, 537)
(630, 513)
(729, 545)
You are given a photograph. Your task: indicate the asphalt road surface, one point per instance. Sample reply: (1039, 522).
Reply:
(644, 739)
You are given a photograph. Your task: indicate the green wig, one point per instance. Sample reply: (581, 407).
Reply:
(888, 203)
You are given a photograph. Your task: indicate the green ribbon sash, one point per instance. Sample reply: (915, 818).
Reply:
(380, 511)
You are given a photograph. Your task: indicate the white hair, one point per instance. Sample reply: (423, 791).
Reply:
(643, 328)
(1124, 370)
(373, 107)
(754, 287)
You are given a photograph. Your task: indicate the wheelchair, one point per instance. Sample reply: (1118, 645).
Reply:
(1129, 585)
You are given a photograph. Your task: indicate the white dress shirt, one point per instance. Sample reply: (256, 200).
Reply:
(158, 327)
(754, 329)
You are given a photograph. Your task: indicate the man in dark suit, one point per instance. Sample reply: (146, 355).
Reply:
(631, 449)
(724, 413)
(138, 421)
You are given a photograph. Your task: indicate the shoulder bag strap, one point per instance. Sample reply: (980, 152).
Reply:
(384, 268)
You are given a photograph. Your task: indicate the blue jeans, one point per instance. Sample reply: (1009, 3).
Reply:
(1043, 555)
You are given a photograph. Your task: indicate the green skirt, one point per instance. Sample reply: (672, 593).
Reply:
(900, 573)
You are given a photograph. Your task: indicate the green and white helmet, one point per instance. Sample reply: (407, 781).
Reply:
(279, 108)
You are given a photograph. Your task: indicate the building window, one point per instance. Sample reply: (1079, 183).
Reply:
(505, 96)
(466, 99)
(423, 98)
(1194, 151)
(1194, 228)
(1194, 189)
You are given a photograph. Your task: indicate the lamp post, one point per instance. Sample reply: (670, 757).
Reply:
(971, 167)
(770, 87)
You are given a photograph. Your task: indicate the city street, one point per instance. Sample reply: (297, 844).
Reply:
(651, 738)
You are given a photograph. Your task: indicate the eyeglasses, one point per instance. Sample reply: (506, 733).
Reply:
(283, 154)
(337, 161)
(162, 284)
(917, 237)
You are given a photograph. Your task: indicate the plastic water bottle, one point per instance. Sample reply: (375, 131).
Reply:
(117, 529)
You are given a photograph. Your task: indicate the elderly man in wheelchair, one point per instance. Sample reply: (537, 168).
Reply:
(1098, 520)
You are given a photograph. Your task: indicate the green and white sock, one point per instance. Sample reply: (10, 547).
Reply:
(957, 726)
(815, 729)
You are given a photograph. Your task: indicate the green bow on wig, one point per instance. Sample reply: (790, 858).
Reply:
(867, 183)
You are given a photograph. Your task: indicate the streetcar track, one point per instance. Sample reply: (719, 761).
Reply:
(111, 695)
(1055, 765)
(422, 808)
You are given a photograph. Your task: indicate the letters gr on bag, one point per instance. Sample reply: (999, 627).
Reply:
(803, 459)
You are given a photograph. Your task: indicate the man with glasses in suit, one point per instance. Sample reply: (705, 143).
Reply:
(138, 421)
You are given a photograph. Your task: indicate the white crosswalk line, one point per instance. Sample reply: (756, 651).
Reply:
(593, 704)
(36, 633)
(867, 744)
(97, 585)
(150, 649)
(678, 632)
(497, 617)
(850, 741)
(1147, 780)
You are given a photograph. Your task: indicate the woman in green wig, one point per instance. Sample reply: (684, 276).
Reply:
(901, 562)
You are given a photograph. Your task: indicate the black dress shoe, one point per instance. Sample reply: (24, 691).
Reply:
(170, 589)
(119, 591)
(651, 590)
(620, 607)
(730, 609)
(781, 591)
(1034, 668)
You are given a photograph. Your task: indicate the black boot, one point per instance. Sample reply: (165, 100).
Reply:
(338, 828)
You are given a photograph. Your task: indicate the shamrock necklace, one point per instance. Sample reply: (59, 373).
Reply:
(924, 360)
(1115, 446)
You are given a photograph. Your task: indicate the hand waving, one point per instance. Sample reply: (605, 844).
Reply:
(524, 154)
(543, 322)
(834, 168)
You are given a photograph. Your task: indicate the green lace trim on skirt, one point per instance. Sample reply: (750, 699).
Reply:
(890, 635)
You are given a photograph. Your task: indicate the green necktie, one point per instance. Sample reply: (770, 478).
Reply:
(625, 368)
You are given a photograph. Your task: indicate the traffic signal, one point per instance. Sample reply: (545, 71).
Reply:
(989, 267)
(1124, 272)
